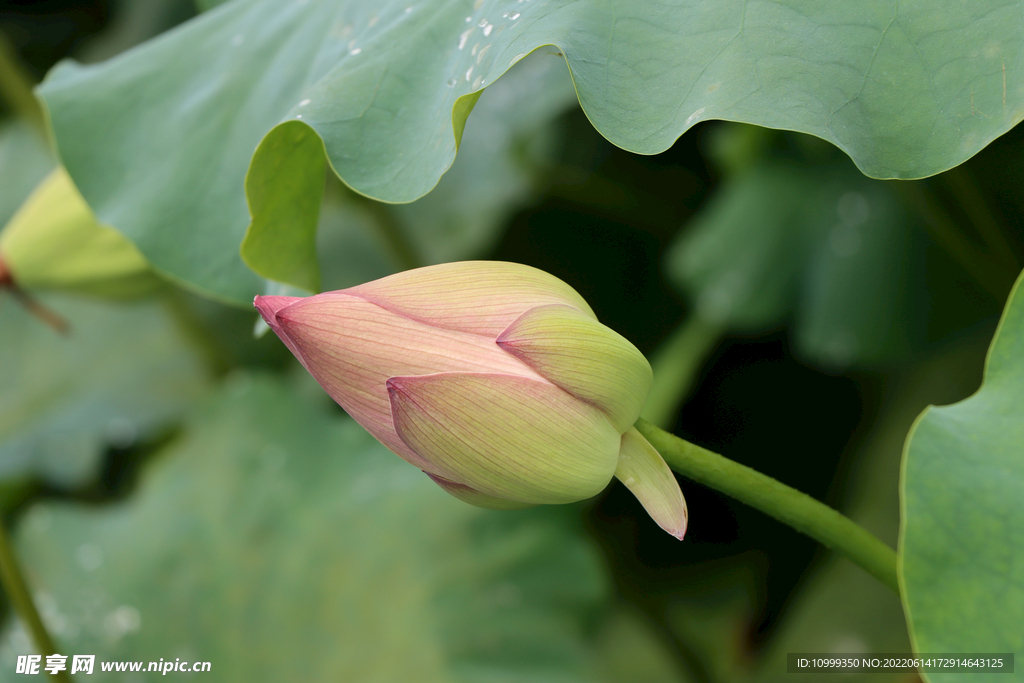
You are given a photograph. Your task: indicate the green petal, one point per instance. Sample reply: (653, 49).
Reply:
(468, 494)
(506, 436)
(478, 297)
(587, 359)
(644, 472)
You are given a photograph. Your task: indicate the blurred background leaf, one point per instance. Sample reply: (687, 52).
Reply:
(55, 242)
(287, 543)
(840, 608)
(24, 162)
(122, 374)
(632, 650)
(862, 273)
(839, 257)
(818, 242)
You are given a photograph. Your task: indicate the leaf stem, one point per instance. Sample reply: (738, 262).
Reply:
(17, 590)
(786, 504)
(16, 87)
(676, 364)
(32, 305)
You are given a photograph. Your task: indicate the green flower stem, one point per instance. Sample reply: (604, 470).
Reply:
(798, 510)
(17, 591)
(676, 365)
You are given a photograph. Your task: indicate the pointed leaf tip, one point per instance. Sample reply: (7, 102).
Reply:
(645, 473)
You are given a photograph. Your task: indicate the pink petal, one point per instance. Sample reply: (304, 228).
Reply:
(478, 297)
(352, 346)
(268, 306)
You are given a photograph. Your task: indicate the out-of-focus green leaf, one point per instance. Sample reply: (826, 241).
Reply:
(204, 5)
(354, 242)
(24, 162)
(712, 614)
(122, 372)
(55, 242)
(821, 243)
(962, 540)
(159, 139)
(280, 542)
(632, 651)
(132, 22)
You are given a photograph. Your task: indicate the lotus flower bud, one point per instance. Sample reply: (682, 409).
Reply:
(495, 379)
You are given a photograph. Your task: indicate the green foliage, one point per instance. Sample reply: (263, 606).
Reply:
(121, 374)
(280, 542)
(285, 147)
(841, 609)
(506, 147)
(818, 242)
(383, 86)
(286, 192)
(24, 162)
(55, 242)
(962, 542)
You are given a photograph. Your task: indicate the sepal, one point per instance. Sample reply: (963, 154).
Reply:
(645, 473)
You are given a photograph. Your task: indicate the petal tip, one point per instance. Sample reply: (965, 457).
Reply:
(673, 521)
(677, 531)
(269, 306)
(644, 472)
(395, 387)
